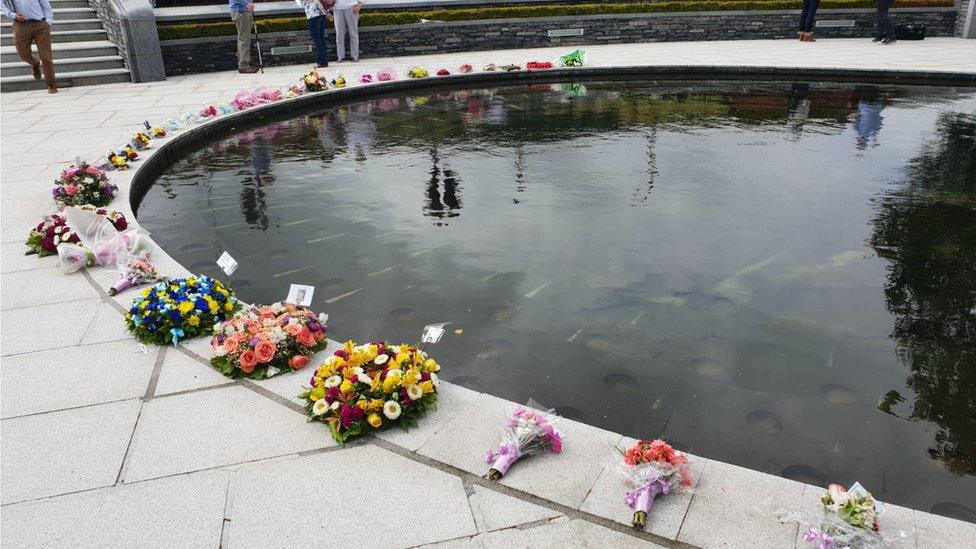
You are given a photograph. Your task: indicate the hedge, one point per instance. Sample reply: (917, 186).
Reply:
(367, 19)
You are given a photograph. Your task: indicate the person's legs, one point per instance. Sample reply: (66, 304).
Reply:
(42, 37)
(340, 28)
(22, 43)
(886, 29)
(352, 25)
(243, 22)
(316, 29)
(804, 15)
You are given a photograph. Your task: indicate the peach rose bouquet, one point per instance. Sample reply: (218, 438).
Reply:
(262, 341)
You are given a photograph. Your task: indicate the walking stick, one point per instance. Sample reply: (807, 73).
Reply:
(257, 39)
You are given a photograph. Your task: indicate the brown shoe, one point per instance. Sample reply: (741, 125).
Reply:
(52, 89)
(37, 71)
(247, 70)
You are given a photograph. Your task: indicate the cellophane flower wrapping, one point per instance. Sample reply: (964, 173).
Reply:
(170, 311)
(83, 183)
(208, 111)
(141, 141)
(652, 468)
(117, 161)
(465, 68)
(158, 131)
(575, 58)
(849, 520)
(526, 432)
(370, 387)
(73, 257)
(418, 72)
(366, 78)
(246, 99)
(136, 271)
(386, 74)
(262, 341)
(538, 65)
(105, 235)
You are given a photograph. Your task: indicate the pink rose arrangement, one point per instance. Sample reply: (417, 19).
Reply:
(83, 183)
(53, 230)
(653, 468)
(259, 342)
(365, 388)
(526, 432)
(246, 99)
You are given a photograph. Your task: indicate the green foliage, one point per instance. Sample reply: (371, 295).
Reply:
(372, 19)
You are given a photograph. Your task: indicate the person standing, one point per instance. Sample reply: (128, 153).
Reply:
(807, 19)
(886, 29)
(346, 16)
(315, 12)
(32, 20)
(242, 14)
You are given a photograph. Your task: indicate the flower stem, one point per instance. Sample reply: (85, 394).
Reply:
(640, 519)
(494, 474)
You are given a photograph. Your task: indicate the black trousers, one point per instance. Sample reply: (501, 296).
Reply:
(809, 15)
(886, 29)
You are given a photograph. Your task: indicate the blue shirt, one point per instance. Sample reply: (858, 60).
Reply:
(237, 6)
(39, 10)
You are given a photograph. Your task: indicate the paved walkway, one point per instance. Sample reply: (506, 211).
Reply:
(108, 443)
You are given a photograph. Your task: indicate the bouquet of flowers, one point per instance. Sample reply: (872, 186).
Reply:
(465, 68)
(418, 72)
(259, 342)
(313, 81)
(208, 112)
(490, 67)
(511, 67)
(538, 65)
(386, 74)
(339, 81)
(850, 520)
(443, 72)
(652, 468)
(363, 388)
(526, 432)
(246, 99)
(117, 161)
(135, 272)
(141, 141)
(294, 91)
(366, 78)
(155, 131)
(53, 230)
(576, 58)
(129, 152)
(83, 183)
(169, 311)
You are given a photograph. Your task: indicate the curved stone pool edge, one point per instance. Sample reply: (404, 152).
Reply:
(730, 505)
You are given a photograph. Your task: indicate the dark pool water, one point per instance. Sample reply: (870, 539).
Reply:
(782, 276)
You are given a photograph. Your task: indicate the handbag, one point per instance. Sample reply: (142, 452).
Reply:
(910, 32)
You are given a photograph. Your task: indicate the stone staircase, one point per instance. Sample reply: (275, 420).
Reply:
(83, 54)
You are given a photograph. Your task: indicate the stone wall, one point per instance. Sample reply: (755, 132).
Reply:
(964, 6)
(112, 23)
(218, 53)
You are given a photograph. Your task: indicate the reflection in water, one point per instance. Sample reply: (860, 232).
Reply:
(775, 293)
(926, 229)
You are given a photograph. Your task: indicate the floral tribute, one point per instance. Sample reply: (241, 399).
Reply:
(83, 183)
(653, 468)
(313, 81)
(117, 160)
(575, 58)
(443, 72)
(259, 342)
(490, 67)
(339, 81)
(141, 141)
(155, 131)
(418, 72)
(526, 432)
(53, 230)
(366, 78)
(129, 152)
(386, 74)
(465, 68)
(169, 311)
(135, 272)
(538, 65)
(850, 519)
(510, 67)
(209, 111)
(246, 99)
(364, 388)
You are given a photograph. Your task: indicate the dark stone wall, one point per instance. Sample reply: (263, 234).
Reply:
(218, 53)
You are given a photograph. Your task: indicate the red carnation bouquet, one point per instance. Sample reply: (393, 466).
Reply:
(653, 468)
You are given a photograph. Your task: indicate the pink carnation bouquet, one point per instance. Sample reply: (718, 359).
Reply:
(652, 468)
(259, 342)
(386, 74)
(246, 99)
(135, 272)
(526, 432)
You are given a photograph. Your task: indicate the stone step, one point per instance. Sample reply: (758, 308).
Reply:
(74, 13)
(60, 37)
(61, 4)
(66, 80)
(67, 50)
(71, 65)
(66, 25)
